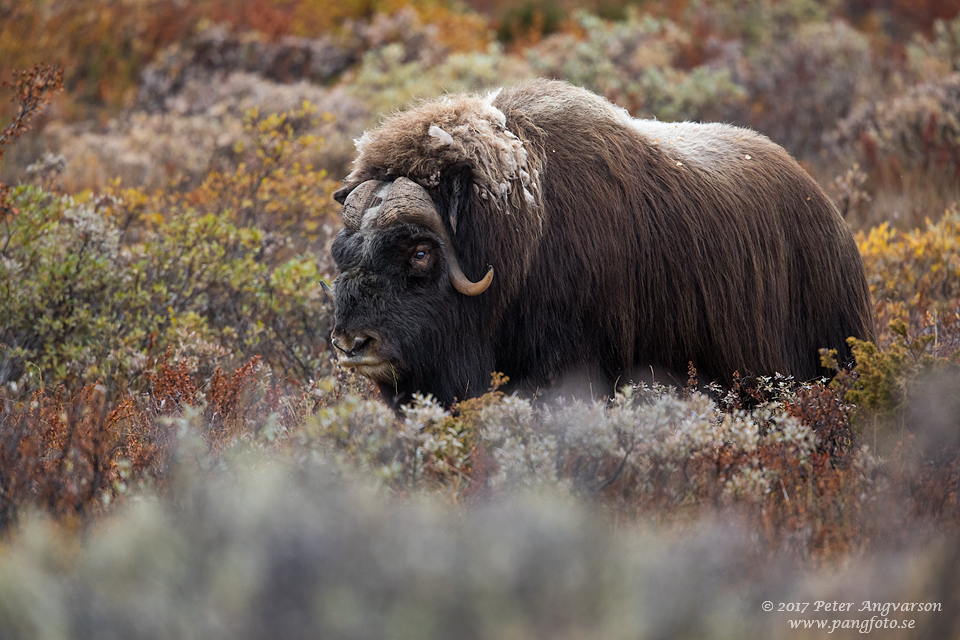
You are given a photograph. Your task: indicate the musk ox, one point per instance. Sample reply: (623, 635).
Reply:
(542, 232)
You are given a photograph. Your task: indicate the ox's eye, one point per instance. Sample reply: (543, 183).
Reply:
(420, 256)
(421, 259)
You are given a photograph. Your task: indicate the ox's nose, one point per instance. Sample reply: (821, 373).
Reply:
(350, 344)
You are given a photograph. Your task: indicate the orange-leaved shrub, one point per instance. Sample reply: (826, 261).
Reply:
(271, 183)
(915, 276)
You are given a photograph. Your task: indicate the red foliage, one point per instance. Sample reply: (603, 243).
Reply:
(58, 453)
(70, 453)
(823, 410)
(268, 17)
(172, 386)
(225, 401)
(901, 18)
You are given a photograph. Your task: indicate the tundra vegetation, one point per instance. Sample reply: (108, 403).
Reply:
(179, 457)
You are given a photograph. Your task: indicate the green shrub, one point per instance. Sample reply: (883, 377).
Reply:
(633, 63)
(386, 80)
(914, 278)
(271, 186)
(78, 305)
(529, 21)
(888, 380)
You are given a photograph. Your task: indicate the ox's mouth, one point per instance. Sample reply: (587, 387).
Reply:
(363, 356)
(374, 368)
(362, 363)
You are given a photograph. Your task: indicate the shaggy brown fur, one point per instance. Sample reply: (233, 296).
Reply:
(621, 245)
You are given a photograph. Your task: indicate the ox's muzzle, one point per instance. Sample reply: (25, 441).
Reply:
(356, 344)
(361, 351)
(377, 204)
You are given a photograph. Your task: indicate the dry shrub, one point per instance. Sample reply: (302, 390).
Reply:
(226, 407)
(105, 44)
(898, 21)
(805, 500)
(801, 466)
(195, 129)
(227, 402)
(273, 185)
(459, 30)
(800, 463)
(32, 89)
(270, 18)
(144, 445)
(650, 453)
(71, 453)
(102, 44)
(799, 88)
(172, 383)
(908, 146)
(793, 467)
(57, 452)
(121, 55)
(907, 423)
(284, 550)
(905, 387)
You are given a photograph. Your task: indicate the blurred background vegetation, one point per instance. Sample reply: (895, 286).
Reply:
(179, 457)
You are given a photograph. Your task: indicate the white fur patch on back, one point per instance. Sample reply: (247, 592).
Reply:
(710, 146)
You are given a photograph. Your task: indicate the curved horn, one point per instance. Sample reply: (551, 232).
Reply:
(412, 201)
(463, 284)
(358, 201)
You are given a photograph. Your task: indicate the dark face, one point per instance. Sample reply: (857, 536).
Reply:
(403, 307)
(390, 302)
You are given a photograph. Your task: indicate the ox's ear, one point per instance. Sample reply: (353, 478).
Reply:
(453, 199)
(340, 195)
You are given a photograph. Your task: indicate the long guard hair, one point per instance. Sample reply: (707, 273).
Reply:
(621, 245)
